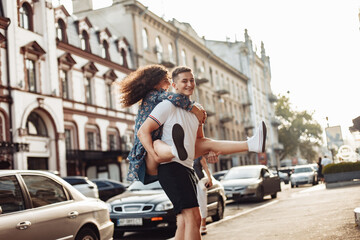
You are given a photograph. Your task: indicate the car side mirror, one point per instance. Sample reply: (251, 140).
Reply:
(266, 175)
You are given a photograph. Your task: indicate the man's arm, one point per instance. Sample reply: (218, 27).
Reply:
(144, 135)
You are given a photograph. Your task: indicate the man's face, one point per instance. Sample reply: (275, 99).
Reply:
(184, 83)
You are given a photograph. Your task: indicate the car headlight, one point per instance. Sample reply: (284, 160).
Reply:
(109, 207)
(164, 206)
(253, 186)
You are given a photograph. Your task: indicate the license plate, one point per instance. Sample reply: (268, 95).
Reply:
(229, 195)
(130, 222)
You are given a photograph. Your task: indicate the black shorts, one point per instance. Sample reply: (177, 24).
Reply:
(179, 184)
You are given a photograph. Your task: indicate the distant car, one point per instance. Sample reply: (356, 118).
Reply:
(218, 175)
(284, 177)
(84, 185)
(303, 175)
(40, 205)
(252, 181)
(109, 188)
(147, 208)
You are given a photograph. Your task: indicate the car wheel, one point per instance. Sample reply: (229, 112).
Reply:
(314, 182)
(86, 234)
(274, 195)
(292, 185)
(260, 194)
(286, 182)
(219, 212)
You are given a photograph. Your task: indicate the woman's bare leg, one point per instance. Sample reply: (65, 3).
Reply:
(205, 145)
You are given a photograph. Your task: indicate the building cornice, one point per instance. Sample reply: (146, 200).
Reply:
(91, 57)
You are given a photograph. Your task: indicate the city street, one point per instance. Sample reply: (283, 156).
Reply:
(307, 212)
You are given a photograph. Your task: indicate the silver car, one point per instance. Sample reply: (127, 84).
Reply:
(303, 175)
(253, 181)
(40, 205)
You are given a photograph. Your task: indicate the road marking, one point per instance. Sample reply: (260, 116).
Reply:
(243, 213)
(314, 188)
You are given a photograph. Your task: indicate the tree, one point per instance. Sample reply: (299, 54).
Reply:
(298, 131)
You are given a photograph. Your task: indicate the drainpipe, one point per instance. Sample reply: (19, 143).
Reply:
(177, 46)
(10, 101)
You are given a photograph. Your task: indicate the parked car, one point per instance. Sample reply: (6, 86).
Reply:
(84, 185)
(252, 181)
(109, 188)
(146, 208)
(218, 175)
(303, 175)
(284, 177)
(38, 205)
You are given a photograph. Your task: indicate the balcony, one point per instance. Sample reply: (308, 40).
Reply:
(164, 59)
(246, 101)
(167, 63)
(226, 117)
(221, 90)
(272, 98)
(275, 122)
(248, 124)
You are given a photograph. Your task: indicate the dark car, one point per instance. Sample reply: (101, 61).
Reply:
(109, 188)
(253, 181)
(146, 208)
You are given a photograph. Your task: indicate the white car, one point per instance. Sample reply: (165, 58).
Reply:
(303, 175)
(84, 185)
(40, 205)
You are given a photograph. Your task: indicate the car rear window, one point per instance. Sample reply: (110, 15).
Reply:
(76, 181)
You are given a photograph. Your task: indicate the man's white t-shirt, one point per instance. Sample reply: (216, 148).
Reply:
(165, 113)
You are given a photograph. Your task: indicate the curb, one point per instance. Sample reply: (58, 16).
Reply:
(341, 184)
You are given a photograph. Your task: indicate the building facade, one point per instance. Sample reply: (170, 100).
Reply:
(221, 88)
(59, 93)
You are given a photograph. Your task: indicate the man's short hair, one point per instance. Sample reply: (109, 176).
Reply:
(179, 70)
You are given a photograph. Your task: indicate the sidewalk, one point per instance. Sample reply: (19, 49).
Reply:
(313, 213)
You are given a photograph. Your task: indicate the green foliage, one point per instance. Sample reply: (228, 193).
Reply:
(341, 167)
(298, 131)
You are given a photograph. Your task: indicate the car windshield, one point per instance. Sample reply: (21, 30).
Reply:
(138, 186)
(302, 170)
(242, 173)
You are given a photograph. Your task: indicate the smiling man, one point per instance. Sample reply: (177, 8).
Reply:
(182, 129)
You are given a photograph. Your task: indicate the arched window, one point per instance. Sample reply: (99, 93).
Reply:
(183, 57)
(105, 50)
(159, 49)
(85, 45)
(171, 53)
(123, 60)
(61, 30)
(31, 74)
(35, 125)
(145, 39)
(25, 13)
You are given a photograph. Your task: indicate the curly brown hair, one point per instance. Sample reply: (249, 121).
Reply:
(139, 83)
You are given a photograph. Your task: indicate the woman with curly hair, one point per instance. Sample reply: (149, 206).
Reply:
(149, 85)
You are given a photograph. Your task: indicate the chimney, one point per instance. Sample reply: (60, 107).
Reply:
(82, 5)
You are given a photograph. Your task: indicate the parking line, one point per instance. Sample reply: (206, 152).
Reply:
(242, 213)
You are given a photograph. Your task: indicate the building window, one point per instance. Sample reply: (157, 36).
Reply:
(123, 60)
(105, 50)
(31, 74)
(158, 49)
(112, 142)
(35, 125)
(88, 89)
(91, 140)
(145, 39)
(85, 44)
(109, 96)
(183, 57)
(171, 53)
(64, 84)
(26, 16)
(61, 31)
(211, 77)
(2, 127)
(68, 144)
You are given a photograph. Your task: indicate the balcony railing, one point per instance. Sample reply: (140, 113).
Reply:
(226, 117)
(223, 89)
(246, 101)
(248, 124)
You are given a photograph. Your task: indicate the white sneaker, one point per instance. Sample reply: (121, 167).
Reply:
(257, 142)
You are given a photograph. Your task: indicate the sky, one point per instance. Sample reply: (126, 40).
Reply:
(313, 45)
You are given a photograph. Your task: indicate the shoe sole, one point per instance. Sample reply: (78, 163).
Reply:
(264, 137)
(178, 136)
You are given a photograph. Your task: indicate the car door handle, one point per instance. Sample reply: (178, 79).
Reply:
(23, 225)
(73, 214)
(91, 187)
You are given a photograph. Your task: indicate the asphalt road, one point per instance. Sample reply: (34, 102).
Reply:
(308, 212)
